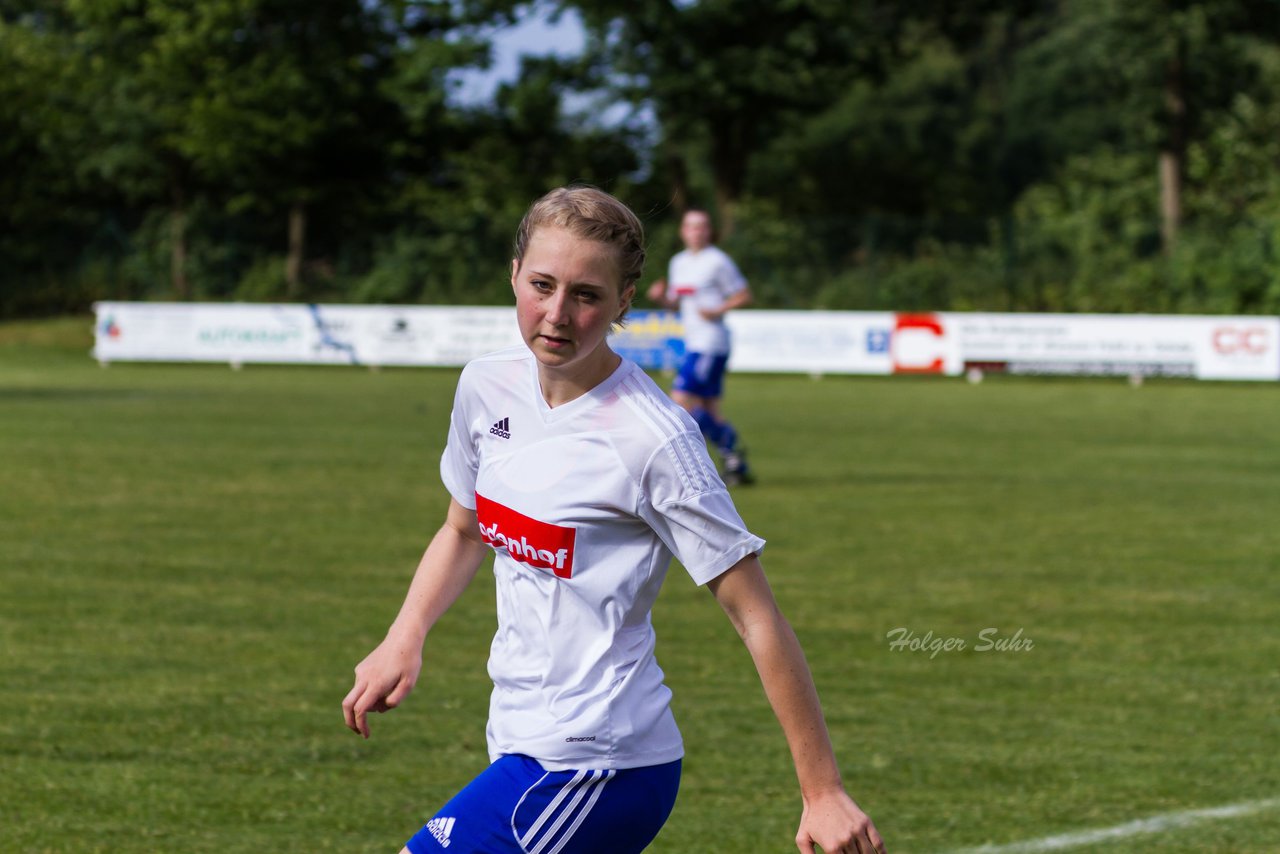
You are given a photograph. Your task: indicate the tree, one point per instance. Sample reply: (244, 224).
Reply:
(1164, 68)
(136, 112)
(726, 76)
(36, 166)
(286, 115)
(465, 177)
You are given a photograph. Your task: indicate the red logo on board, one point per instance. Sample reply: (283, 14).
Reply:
(918, 323)
(540, 545)
(1230, 339)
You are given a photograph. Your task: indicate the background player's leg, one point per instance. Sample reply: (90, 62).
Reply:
(697, 388)
(720, 433)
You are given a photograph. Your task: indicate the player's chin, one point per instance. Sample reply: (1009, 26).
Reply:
(557, 349)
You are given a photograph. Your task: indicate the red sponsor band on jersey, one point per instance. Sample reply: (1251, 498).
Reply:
(537, 544)
(686, 290)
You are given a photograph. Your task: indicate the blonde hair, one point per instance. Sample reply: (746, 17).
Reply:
(591, 214)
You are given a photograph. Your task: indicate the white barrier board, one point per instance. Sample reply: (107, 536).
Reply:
(816, 342)
(242, 333)
(811, 342)
(1204, 347)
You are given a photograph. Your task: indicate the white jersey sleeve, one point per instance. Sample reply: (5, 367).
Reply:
(729, 279)
(460, 462)
(690, 510)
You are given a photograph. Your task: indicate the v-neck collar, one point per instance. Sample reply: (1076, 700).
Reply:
(586, 400)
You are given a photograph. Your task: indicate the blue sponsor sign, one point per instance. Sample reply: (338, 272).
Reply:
(654, 340)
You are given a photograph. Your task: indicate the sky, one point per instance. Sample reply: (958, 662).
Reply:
(536, 35)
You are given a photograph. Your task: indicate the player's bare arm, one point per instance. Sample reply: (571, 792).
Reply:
(388, 674)
(830, 818)
(739, 299)
(657, 293)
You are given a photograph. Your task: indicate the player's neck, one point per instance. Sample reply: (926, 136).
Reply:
(561, 385)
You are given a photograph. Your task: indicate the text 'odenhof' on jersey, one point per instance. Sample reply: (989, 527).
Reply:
(534, 543)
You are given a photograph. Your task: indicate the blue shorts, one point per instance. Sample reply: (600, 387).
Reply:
(517, 806)
(701, 374)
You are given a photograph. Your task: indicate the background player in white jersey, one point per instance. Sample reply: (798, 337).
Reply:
(705, 285)
(584, 480)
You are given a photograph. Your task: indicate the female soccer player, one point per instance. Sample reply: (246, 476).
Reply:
(704, 285)
(584, 479)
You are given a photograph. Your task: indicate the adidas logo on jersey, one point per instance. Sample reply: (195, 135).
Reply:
(440, 828)
(502, 428)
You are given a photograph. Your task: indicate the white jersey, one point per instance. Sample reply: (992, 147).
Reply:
(704, 279)
(584, 505)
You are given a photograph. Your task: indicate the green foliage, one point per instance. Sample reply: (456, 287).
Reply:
(264, 281)
(411, 268)
(1078, 236)
(1232, 270)
(929, 155)
(38, 126)
(725, 77)
(936, 276)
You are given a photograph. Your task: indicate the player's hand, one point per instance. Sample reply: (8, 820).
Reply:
(657, 292)
(383, 680)
(838, 825)
(710, 314)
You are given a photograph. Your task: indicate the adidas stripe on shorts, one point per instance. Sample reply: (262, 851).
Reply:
(517, 806)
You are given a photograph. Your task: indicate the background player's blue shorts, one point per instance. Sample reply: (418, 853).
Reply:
(701, 374)
(517, 806)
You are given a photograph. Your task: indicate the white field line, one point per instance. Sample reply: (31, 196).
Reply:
(1155, 824)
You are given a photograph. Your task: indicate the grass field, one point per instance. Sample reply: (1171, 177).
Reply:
(193, 559)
